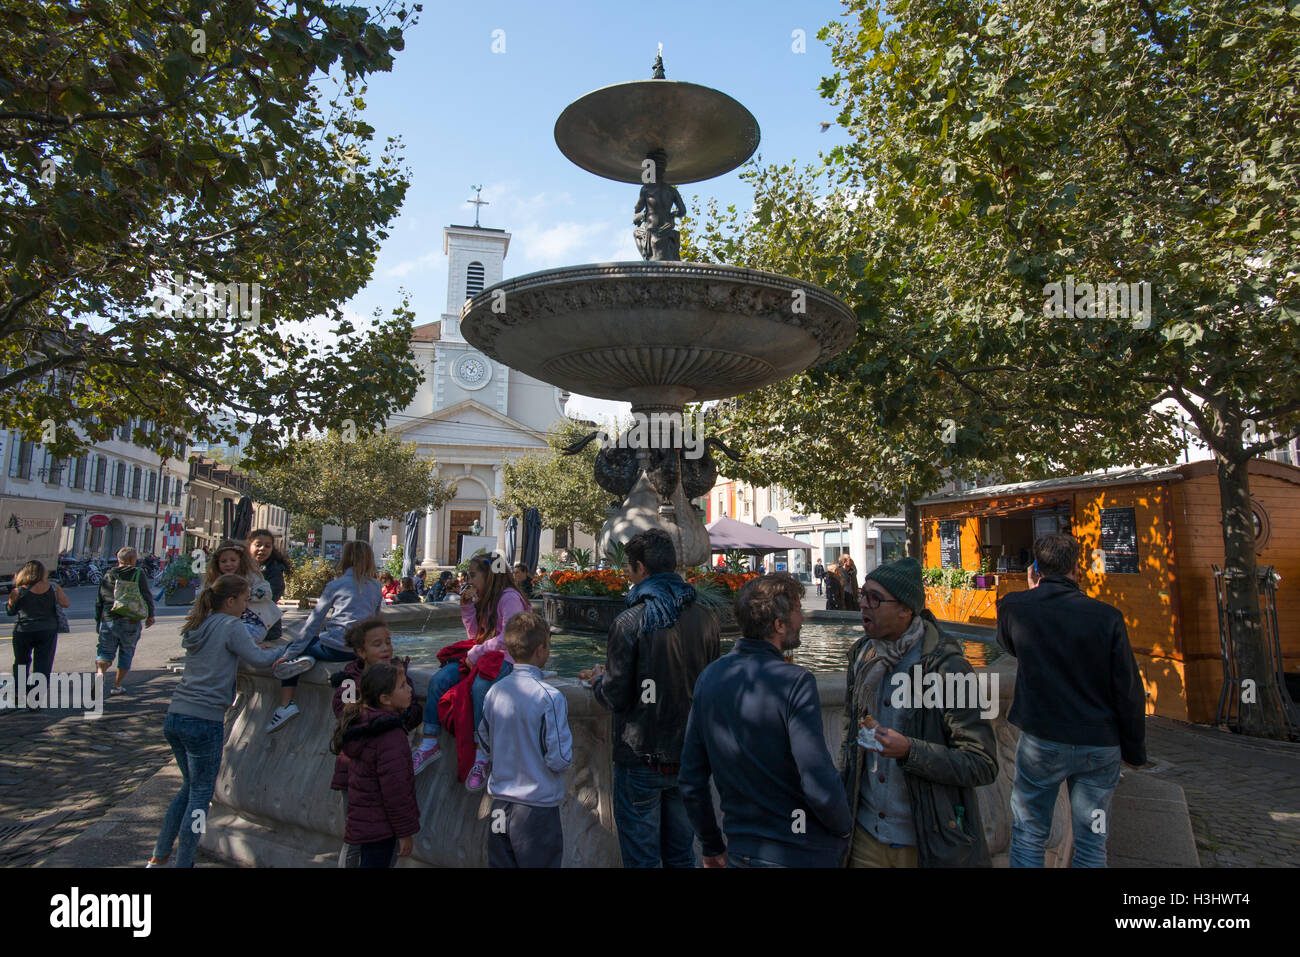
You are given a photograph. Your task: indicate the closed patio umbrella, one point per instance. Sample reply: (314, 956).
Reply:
(412, 538)
(532, 539)
(242, 522)
(512, 534)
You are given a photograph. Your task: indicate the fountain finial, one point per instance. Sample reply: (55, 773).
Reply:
(659, 65)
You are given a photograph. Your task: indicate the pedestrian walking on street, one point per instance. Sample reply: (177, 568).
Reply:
(849, 580)
(911, 767)
(214, 639)
(123, 602)
(1079, 704)
(834, 588)
(655, 653)
(756, 729)
(819, 572)
(353, 595)
(36, 632)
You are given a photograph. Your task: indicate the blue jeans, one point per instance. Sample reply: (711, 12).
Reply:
(196, 742)
(651, 819)
(118, 636)
(446, 678)
(320, 652)
(1090, 773)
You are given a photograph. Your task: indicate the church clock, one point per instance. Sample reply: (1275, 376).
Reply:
(473, 371)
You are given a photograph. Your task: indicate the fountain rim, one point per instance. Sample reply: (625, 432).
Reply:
(741, 113)
(642, 269)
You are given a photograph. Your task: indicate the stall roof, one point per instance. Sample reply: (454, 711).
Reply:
(727, 533)
(1139, 476)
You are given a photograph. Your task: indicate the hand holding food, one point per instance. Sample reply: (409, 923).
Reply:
(867, 734)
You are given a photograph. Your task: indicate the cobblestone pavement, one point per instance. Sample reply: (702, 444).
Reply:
(1243, 794)
(59, 772)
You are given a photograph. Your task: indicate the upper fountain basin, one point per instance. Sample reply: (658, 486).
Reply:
(703, 132)
(654, 333)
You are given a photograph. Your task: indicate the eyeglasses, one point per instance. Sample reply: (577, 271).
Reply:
(872, 600)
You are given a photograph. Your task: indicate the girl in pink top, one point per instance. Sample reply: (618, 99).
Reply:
(486, 604)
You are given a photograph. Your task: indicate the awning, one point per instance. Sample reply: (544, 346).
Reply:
(727, 533)
(998, 508)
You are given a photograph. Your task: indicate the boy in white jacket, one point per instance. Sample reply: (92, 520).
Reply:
(525, 731)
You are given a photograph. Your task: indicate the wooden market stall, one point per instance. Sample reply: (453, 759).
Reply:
(1149, 537)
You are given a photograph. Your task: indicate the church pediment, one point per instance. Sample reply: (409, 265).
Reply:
(469, 423)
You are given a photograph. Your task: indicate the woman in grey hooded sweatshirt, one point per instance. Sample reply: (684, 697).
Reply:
(214, 640)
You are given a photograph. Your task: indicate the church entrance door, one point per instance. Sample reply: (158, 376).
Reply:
(458, 524)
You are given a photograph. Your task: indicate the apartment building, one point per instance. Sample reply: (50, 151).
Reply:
(116, 493)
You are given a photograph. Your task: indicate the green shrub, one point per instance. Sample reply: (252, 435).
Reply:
(309, 578)
(393, 563)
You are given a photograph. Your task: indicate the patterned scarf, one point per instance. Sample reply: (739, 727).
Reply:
(887, 656)
(665, 595)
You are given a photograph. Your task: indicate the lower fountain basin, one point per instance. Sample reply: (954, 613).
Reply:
(658, 332)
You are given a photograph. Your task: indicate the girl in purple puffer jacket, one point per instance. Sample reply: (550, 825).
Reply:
(382, 813)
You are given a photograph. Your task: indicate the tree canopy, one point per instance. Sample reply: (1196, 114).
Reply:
(561, 487)
(1007, 162)
(180, 186)
(348, 481)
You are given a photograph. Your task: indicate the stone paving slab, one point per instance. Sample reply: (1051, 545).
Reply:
(1243, 794)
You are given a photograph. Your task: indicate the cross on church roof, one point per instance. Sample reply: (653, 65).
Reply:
(477, 202)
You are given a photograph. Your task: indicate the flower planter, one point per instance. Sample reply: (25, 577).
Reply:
(590, 615)
(581, 614)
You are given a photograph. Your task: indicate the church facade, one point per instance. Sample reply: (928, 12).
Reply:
(471, 414)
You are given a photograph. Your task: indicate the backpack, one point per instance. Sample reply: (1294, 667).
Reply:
(128, 602)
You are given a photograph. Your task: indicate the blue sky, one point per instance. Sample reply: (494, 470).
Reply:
(467, 115)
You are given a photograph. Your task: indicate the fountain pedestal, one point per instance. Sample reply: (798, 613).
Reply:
(643, 510)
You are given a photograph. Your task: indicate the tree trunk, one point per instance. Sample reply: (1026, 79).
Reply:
(1265, 717)
(912, 518)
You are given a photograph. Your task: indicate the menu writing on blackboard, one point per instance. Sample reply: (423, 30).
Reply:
(1119, 540)
(950, 544)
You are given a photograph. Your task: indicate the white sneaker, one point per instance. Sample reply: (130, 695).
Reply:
(294, 667)
(282, 716)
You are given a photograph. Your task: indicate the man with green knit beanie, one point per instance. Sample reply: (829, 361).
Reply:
(902, 580)
(911, 767)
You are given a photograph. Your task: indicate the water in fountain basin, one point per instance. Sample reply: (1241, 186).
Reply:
(824, 648)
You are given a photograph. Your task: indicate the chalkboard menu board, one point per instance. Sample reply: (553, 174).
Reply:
(1119, 540)
(950, 544)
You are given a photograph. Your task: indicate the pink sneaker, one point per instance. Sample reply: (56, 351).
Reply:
(477, 777)
(421, 758)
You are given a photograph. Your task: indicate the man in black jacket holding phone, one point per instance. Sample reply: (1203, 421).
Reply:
(1079, 704)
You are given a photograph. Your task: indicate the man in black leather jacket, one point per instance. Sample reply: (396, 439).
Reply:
(656, 650)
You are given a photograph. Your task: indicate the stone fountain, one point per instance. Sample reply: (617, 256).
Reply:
(661, 332)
